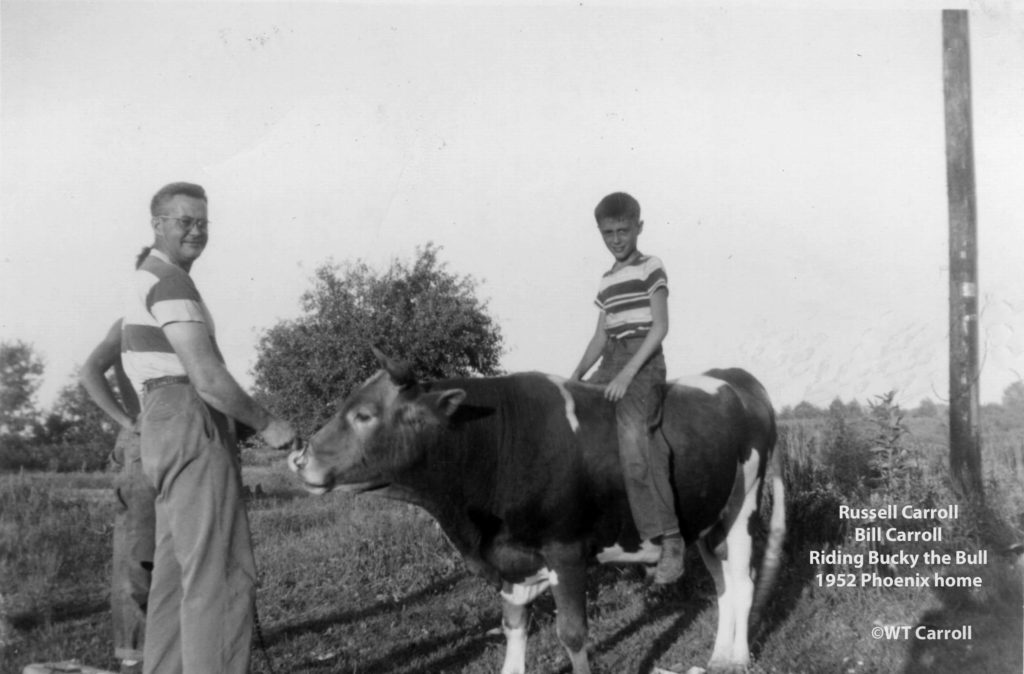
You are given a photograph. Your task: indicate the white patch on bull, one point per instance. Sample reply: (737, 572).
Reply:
(709, 385)
(515, 650)
(570, 404)
(750, 468)
(647, 554)
(730, 568)
(531, 588)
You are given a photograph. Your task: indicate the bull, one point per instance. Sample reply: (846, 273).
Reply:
(522, 474)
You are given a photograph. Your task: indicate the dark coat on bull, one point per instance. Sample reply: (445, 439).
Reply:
(522, 471)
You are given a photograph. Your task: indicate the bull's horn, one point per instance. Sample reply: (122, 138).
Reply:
(400, 372)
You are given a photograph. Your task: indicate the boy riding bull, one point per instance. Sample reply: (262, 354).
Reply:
(632, 322)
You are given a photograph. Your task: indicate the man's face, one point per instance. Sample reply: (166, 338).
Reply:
(620, 236)
(181, 229)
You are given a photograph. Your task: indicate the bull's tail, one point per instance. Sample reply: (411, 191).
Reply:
(776, 537)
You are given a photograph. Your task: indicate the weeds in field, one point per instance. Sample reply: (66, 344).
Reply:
(360, 584)
(887, 458)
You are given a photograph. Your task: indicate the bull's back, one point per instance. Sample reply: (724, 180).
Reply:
(711, 426)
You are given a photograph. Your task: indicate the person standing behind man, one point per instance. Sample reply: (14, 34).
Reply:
(201, 602)
(134, 521)
(632, 323)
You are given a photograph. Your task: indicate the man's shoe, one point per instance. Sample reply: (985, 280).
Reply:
(670, 564)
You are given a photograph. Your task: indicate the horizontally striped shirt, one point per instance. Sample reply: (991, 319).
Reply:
(162, 293)
(625, 296)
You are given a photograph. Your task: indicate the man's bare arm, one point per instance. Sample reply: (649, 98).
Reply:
(216, 386)
(593, 350)
(94, 380)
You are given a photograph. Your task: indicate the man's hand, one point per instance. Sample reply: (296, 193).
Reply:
(279, 434)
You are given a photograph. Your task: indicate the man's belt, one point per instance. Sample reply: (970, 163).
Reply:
(150, 385)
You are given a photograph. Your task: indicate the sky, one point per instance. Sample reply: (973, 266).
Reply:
(789, 158)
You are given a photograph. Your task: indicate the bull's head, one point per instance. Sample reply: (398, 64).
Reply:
(382, 429)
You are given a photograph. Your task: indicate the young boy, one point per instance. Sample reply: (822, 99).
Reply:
(633, 321)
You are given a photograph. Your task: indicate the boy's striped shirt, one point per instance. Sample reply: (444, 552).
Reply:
(625, 296)
(162, 293)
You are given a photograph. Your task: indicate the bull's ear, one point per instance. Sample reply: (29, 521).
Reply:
(447, 401)
(400, 372)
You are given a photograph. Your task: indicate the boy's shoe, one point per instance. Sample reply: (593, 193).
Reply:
(670, 564)
(131, 667)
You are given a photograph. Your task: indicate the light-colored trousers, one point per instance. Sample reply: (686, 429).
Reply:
(200, 613)
(645, 464)
(132, 563)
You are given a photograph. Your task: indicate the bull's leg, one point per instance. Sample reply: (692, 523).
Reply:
(729, 565)
(514, 622)
(515, 602)
(569, 587)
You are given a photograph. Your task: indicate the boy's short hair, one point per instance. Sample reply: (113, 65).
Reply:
(167, 192)
(617, 206)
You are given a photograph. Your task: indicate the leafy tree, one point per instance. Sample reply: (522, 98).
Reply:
(76, 419)
(845, 451)
(805, 410)
(1013, 398)
(927, 408)
(418, 312)
(21, 370)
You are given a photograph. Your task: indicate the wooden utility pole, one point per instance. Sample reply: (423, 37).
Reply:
(964, 436)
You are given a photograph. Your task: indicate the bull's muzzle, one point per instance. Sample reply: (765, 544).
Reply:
(297, 458)
(299, 462)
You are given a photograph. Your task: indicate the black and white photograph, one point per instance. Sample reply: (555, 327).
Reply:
(496, 336)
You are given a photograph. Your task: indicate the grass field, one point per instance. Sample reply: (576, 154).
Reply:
(361, 585)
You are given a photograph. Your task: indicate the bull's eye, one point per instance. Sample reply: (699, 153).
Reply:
(362, 417)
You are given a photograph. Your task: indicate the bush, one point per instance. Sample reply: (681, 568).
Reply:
(17, 454)
(847, 455)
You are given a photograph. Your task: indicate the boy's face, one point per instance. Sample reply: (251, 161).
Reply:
(620, 236)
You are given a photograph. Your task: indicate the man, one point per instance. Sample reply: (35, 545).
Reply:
(200, 611)
(135, 518)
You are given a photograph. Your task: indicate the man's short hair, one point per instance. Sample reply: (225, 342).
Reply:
(167, 192)
(617, 206)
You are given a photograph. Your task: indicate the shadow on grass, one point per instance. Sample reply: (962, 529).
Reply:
(661, 605)
(59, 612)
(458, 649)
(257, 499)
(323, 623)
(937, 643)
(812, 523)
(450, 651)
(416, 658)
(790, 589)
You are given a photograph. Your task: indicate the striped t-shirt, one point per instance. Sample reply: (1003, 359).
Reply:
(625, 296)
(162, 293)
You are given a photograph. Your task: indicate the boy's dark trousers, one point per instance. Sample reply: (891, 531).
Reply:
(134, 533)
(645, 464)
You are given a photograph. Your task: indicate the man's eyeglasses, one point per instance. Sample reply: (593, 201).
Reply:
(188, 223)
